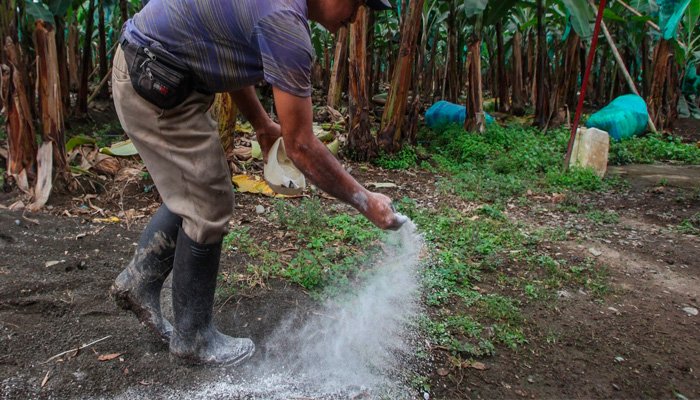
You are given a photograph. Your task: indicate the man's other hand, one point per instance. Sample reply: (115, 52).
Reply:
(267, 136)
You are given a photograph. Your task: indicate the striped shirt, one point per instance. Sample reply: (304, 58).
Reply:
(230, 44)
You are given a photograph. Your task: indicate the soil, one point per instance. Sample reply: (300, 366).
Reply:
(635, 342)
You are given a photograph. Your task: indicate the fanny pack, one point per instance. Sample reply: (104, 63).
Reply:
(157, 76)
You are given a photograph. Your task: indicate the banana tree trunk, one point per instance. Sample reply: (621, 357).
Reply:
(50, 102)
(20, 130)
(475, 121)
(663, 95)
(502, 82)
(340, 68)
(61, 54)
(430, 87)
(518, 105)
(542, 95)
(7, 18)
(124, 10)
(104, 65)
(451, 86)
(361, 144)
(7, 25)
(568, 74)
(86, 63)
(73, 56)
(646, 65)
(531, 66)
(391, 135)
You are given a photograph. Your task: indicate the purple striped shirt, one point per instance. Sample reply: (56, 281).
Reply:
(230, 44)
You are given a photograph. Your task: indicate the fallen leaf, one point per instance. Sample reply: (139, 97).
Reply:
(108, 357)
(334, 147)
(478, 365)
(120, 149)
(52, 263)
(110, 220)
(253, 184)
(79, 140)
(255, 150)
(243, 153)
(245, 127)
(46, 378)
(382, 185)
(44, 183)
(558, 197)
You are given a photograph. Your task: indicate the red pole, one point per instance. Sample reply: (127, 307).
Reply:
(584, 84)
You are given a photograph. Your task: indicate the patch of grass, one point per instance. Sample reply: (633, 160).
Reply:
(607, 217)
(651, 148)
(239, 239)
(332, 249)
(263, 265)
(690, 226)
(557, 274)
(504, 163)
(421, 383)
(466, 249)
(404, 159)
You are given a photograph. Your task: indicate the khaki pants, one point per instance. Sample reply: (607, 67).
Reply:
(183, 154)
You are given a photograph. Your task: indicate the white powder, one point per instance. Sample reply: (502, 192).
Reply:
(345, 351)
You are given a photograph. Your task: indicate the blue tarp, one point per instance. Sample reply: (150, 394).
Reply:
(624, 117)
(443, 113)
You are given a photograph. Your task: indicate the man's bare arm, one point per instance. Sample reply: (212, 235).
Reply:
(322, 168)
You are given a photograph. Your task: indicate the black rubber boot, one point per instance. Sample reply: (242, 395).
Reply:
(195, 338)
(138, 287)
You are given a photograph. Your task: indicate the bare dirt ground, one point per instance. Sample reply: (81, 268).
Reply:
(639, 341)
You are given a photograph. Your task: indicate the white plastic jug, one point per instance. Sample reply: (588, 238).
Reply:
(591, 148)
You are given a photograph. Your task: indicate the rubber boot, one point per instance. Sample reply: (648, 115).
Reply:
(138, 287)
(195, 338)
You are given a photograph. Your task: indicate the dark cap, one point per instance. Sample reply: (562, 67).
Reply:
(379, 5)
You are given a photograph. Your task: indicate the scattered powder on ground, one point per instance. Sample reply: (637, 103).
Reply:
(349, 350)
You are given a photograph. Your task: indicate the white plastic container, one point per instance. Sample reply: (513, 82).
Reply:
(281, 174)
(590, 150)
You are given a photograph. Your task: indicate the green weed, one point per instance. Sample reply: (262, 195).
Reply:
(607, 217)
(504, 163)
(239, 239)
(651, 148)
(334, 249)
(690, 226)
(404, 159)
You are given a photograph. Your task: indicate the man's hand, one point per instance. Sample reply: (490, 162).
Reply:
(381, 212)
(266, 130)
(267, 135)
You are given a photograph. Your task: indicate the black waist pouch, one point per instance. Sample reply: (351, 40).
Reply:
(157, 76)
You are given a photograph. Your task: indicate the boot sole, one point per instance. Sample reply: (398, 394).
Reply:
(121, 297)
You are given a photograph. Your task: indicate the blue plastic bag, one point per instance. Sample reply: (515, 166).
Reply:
(624, 117)
(443, 113)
